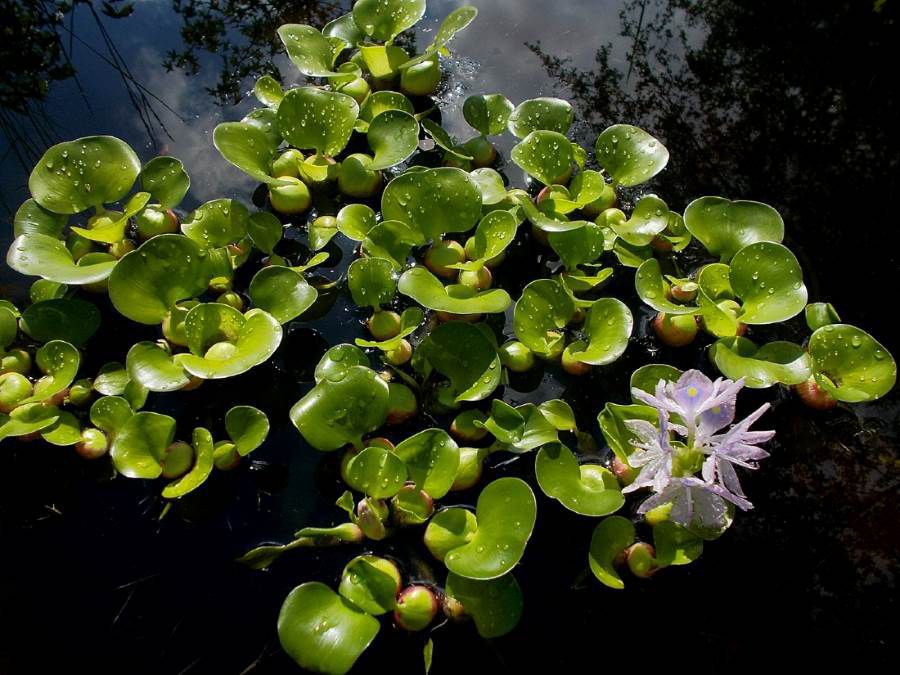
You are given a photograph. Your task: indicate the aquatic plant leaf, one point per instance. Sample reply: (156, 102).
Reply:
(377, 472)
(355, 221)
(648, 220)
(448, 529)
(75, 175)
(487, 113)
(322, 631)
(675, 545)
(66, 430)
(462, 353)
(268, 91)
(146, 283)
(768, 280)
(166, 180)
(540, 314)
(309, 50)
(409, 321)
(651, 287)
(383, 20)
(494, 233)
(393, 136)
(550, 114)
(454, 22)
(41, 255)
(371, 282)
(724, 227)
(434, 201)
(646, 377)
(545, 155)
(282, 292)
(59, 362)
(337, 360)
(202, 442)
(110, 413)
(505, 512)
(630, 155)
(443, 140)
(495, 605)
(586, 489)
(608, 327)
(612, 423)
(383, 61)
(393, 241)
(9, 327)
(611, 536)
(379, 102)
(154, 368)
(139, 446)
(110, 227)
(432, 460)
(27, 418)
(111, 379)
(774, 363)
(426, 289)
(264, 230)
(546, 223)
(69, 319)
(493, 191)
(266, 120)
(577, 247)
(247, 148)
(371, 584)
(247, 427)
(345, 28)
(32, 218)
(819, 314)
(342, 408)
(217, 223)
(850, 364)
(315, 119)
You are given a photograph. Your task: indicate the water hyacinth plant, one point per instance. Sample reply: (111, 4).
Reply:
(470, 281)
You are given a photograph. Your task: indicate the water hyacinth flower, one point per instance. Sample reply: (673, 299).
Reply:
(702, 408)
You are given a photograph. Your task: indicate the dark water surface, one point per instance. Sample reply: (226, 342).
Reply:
(790, 103)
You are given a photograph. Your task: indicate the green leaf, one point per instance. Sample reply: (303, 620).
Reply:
(59, 362)
(493, 191)
(311, 118)
(371, 282)
(612, 423)
(322, 631)
(494, 233)
(282, 292)
(268, 91)
(608, 327)
(337, 360)
(265, 231)
(434, 201)
(68, 319)
(551, 114)
(651, 288)
(495, 605)
(110, 413)
(383, 20)
(370, 583)
(541, 313)
(850, 364)
(768, 280)
(147, 282)
(545, 222)
(383, 61)
(646, 377)
(506, 512)
(217, 223)
(611, 536)
(202, 442)
(393, 241)
(111, 379)
(32, 218)
(455, 21)
(247, 427)
(266, 120)
(409, 321)
(630, 155)
(166, 181)
(345, 28)
(675, 545)
(588, 489)
(27, 418)
(819, 314)
(66, 430)
(577, 247)
(426, 289)
(9, 327)
(138, 448)
(110, 227)
(545, 155)
(381, 101)
(43, 256)
(443, 140)
(648, 220)
(724, 227)
(432, 460)
(341, 409)
(773, 363)
(462, 353)
(393, 136)
(308, 49)
(154, 368)
(253, 337)
(449, 529)
(355, 221)
(487, 113)
(377, 472)
(248, 148)
(74, 176)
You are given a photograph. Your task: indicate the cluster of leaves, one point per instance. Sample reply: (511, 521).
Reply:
(359, 153)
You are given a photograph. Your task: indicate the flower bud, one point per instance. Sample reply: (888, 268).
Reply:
(400, 354)
(453, 609)
(623, 471)
(478, 280)
(80, 392)
(371, 518)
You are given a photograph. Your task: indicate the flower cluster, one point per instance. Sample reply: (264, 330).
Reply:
(693, 412)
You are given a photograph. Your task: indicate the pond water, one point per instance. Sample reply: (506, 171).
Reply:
(790, 103)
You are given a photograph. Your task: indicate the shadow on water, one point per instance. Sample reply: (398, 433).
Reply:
(790, 103)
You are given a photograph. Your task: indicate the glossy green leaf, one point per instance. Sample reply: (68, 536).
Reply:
(66, 430)
(774, 363)
(648, 220)
(494, 233)
(383, 20)
(309, 50)
(217, 223)
(247, 428)
(59, 362)
(548, 223)
(111, 379)
(651, 287)
(342, 408)
(202, 442)
(337, 360)
(154, 368)
(577, 247)
(322, 631)
(410, 319)
(381, 101)
(487, 113)
(646, 377)
(462, 353)
(443, 140)
(68, 319)
(607, 327)
(371, 282)
(268, 91)
(27, 418)
(345, 28)
(147, 282)
(586, 489)
(393, 136)
(675, 545)
(449, 529)
(630, 155)
(266, 120)
(551, 114)
(434, 201)
(377, 472)
(110, 227)
(311, 118)
(768, 280)
(454, 22)
(850, 364)
(138, 448)
(724, 227)
(248, 148)
(393, 241)
(265, 231)
(612, 423)
(541, 313)
(383, 61)
(44, 256)
(110, 413)
(370, 583)
(355, 221)
(432, 459)
(494, 605)
(611, 536)
(32, 218)
(426, 289)
(166, 181)
(819, 314)
(545, 155)
(282, 292)
(73, 176)
(9, 327)
(493, 191)
(506, 512)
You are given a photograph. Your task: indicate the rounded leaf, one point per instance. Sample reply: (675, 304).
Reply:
(434, 201)
(44, 256)
(282, 292)
(493, 191)
(311, 118)
(383, 20)
(217, 223)
(308, 49)
(166, 181)
(768, 280)
(139, 446)
(202, 442)
(462, 353)
(355, 221)
(541, 313)
(110, 413)
(377, 472)
(371, 281)
(774, 363)
(393, 136)
(850, 364)
(495, 605)
(247, 428)
(724, 227)
(248, 148)
(432, 460)
(651, 288)
(68, 319)
(630, 155)
(611, 536)
(545, 155)
(59, 362)
(487, 113)
(588, 489)
(32, 218)
(154, 368)
(66, 430)
(370, 583)
(426, 289)
(608, 327)
(551, 114)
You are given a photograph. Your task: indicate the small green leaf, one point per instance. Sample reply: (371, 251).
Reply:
(675, 545)
(32, 218)
(59, 362)
(154, 368)
(551, 114)
(768, 280)
(139, 446)
(265, 231)
(248, 148)
(434, 201)
(68, 319)
(311, 118)
(371, 282)
(454, 22)
(541, 313)
(282, 292)
(27, 418)
(647, 376)
(493, 191)
(370, 583)
(377, 472)
(463, 354)
(355, 221)
(217, 223)
(494, 233)
(432, 460)
(202, 442)
(608, 327)
(65, 431)
(43, 256)
(487, 113)
(724, 227)
(110, 413)
(393, 136)
(495, 605)
(612, 423)
(611, 536)
(383, 20)
(648, 220)
(545, 155)
(630, 155)
(308, 49)
(166, 181)
(586, 489)
(247, 428)
(819, 314)
(426, 289)
(268, 91)
(577, 247)
(774, 363)
(651, 288)
(850, 364)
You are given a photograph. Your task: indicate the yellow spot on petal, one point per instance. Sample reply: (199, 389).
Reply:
(692, 391)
